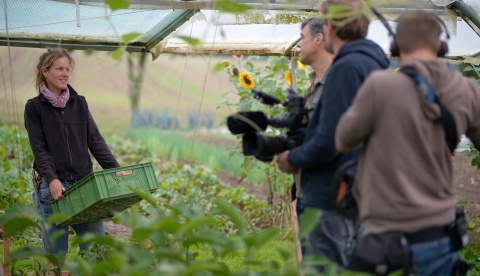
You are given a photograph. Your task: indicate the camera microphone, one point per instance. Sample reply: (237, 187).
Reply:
(244, 122)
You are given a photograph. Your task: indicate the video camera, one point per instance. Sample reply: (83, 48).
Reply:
(251, 123)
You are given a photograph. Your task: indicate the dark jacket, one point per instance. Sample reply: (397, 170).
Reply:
(317, 156)
(61, 138)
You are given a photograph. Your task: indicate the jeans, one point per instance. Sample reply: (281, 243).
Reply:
(334, 236)
(434, 257)
(60, 244)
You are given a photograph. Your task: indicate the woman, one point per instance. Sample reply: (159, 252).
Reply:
(61, 132)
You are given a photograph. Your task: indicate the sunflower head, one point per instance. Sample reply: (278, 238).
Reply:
(301, 65)
(288, 77)
(246, 80)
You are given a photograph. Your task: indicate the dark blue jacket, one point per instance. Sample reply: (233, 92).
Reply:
(317, 156)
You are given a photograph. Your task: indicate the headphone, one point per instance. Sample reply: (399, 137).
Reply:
(394, 51)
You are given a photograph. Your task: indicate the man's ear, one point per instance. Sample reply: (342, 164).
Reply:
(328, 28)
(319, 38)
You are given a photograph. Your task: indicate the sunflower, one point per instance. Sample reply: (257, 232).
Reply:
(288, 78)
(300, 65)
(246, 80)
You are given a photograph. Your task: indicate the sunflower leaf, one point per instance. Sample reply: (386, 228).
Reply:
(190, 40)
(127, 38)
(231, 6)
(117, 4)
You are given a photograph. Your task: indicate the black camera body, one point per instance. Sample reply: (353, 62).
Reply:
(250, 124)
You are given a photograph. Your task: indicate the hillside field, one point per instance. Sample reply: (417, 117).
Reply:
(171, 82)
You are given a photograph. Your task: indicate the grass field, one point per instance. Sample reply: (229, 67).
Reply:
(171, 82)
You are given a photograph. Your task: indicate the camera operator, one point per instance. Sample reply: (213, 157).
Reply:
(312, 53)
(404, 179)
(355, 57)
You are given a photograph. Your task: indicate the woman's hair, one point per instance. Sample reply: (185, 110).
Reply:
(46, 60)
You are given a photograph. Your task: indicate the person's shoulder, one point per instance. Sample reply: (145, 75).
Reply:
(33, 100)
(384, 79)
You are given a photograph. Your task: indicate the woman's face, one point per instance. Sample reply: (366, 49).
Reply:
(57, 76)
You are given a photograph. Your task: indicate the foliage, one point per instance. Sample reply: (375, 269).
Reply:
(471, 68)
(164, 244)
(196, 233)
(198, 185)
(177, 146)
(15, 166)
(273, 77)
(472, 253)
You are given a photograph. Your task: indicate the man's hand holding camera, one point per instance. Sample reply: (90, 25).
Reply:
(284, 165)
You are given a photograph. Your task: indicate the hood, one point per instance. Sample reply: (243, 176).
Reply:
(440, 77)
(366, 47)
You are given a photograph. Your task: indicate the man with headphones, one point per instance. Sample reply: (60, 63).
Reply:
(355, 57)
(404, 123)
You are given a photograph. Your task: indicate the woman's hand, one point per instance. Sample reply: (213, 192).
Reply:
(121, 173)
(57, 189)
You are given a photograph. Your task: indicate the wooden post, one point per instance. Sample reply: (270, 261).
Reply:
(296, 240)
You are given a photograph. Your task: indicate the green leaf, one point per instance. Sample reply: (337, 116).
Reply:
(192, 41)
(308, 221)
(221, 65)
(57, 218)
(145, 195)
(117, 54)
(259, 239)
(127, 38)
(17, 225)
(233, 213)
(467, 68)
(117, 4)
(231, 6)
(208, 237)
(338, 9)
(19, 211)
(195, 223)
(203, 267)
(26, 252)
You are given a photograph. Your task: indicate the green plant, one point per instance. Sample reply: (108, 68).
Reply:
(273, 76)
(182, 241)
(15, 166)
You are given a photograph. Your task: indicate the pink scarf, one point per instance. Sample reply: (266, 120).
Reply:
(56, 101)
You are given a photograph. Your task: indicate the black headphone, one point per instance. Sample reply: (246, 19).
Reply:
(394, 52)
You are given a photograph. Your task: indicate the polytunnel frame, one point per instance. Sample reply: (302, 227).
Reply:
(183, 13)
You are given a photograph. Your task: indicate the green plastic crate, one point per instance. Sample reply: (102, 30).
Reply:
(100, 194)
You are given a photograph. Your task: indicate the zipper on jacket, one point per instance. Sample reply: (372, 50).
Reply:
(68, 144)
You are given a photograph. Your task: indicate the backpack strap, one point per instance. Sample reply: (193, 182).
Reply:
(428, 91)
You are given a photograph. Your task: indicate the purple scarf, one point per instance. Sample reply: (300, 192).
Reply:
(56, 101)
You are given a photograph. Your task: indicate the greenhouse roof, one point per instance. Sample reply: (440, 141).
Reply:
(158, 26)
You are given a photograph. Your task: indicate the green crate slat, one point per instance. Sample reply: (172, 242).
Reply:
(100, 194)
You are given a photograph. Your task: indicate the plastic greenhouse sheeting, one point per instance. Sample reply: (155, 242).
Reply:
(91, 25)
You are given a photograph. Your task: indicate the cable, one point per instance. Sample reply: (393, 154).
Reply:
(204, 86)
